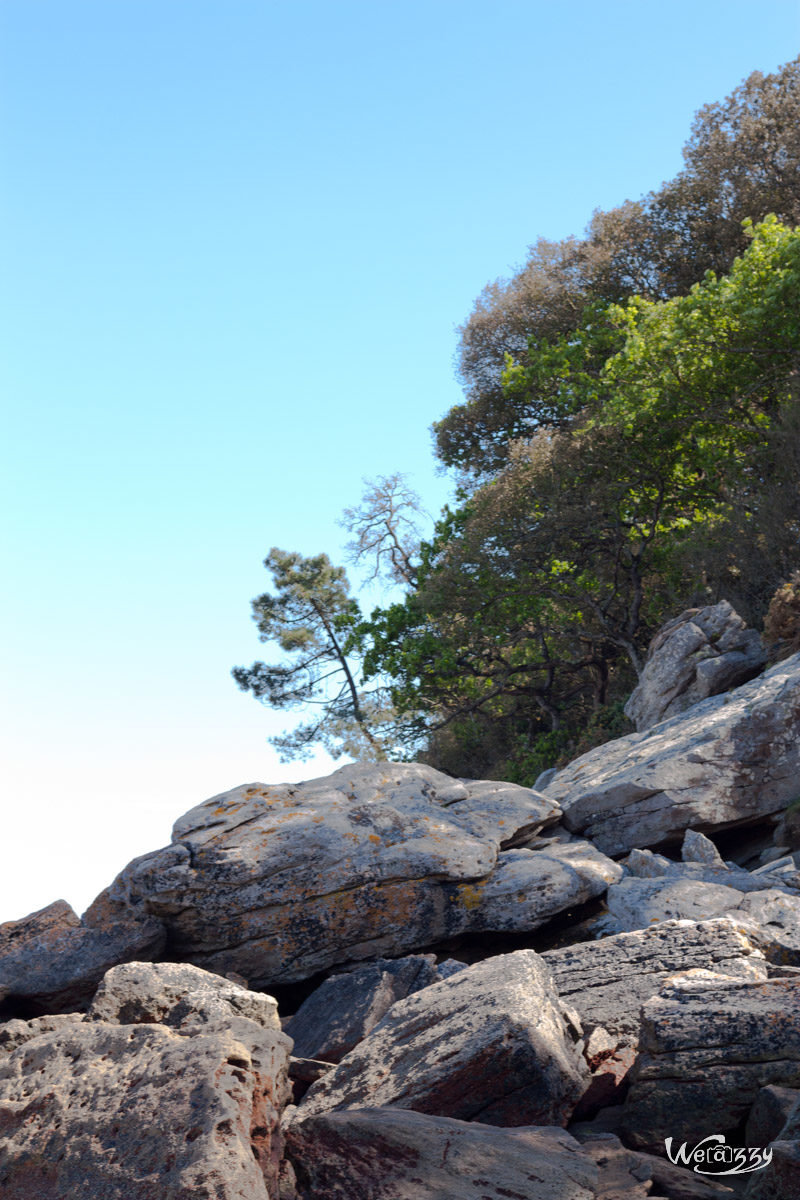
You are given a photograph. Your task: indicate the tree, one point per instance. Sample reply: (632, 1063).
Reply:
(310, 616)
(656, 476)
(742, 162)
(386, 534)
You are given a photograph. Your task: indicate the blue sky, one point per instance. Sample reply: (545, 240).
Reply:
(237, 241)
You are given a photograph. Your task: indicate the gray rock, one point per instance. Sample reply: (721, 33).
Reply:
(53, 961)
(140, 1112)
(770, 1112)
(608, 981)
(708, 1044)
(344, 1008)
(169, 993)
(773, 920)
(638, 903)
(492, 1044)
(627, 1174)
(699, 654)
(698, 848)
(781, 1179)
(730, 760)
(395, 1154)
(15, 1033)
(278, 883)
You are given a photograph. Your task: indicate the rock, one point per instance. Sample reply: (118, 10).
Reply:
(172, 993)
(780, 1180)
(281, 882)
(628, 1174)
(698, 848)
(141, 1112)
(608, 981)
(395, 1154)
(730, 760)
(770, 1112)
(344, 1008)
(638, 903)
(699, 654)
(52, 961)
(15, 1033)
(773, 920)
(708, 1044)
(491, 1044)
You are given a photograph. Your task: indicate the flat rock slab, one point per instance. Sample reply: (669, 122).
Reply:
(278, 883)
(608, 981)
(140, 1113)
(491, 1043)
(52, 961)
(729, 760)
(392, 1154)
(708, 1044)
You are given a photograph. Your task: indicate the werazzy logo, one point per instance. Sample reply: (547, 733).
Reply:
(712, 1156)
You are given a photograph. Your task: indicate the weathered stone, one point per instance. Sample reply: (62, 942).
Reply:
(491, 1044)
(699, 654)
(730, 760)
(709, 1043)
(638, 903)
(51, 961)
(278, 883)
(15, 1033)
(698, 848)
(344, 1008)
(141, 1113)
(781, 1179)
(770, 1112)
(608, 981)
(171, 993)
(395, 1154)
(773, 920)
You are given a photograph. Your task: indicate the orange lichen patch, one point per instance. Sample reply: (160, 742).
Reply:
(373, 837)
(470, 895)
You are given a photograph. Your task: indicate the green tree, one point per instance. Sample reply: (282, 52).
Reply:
(310, 616)
(742, 161)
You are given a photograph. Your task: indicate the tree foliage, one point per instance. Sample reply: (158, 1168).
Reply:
(310, 615)
(742, 161)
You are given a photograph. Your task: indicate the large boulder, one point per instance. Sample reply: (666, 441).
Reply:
(278, 883)
(394, 1154)
(709, 1044)
(492, 1043)
(699, 654)
(730, 760)
(140, 1112)
(52, 961)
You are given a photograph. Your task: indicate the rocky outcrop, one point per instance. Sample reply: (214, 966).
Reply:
(52, 961)
(701, 653)
(491, 1044)
(730, 760)
(97, 1109)
(278, 883)
(709, 1044)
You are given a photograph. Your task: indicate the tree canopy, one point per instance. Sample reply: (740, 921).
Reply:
(629, 446)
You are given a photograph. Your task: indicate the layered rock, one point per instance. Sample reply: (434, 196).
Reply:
(278, 883)
(709, 1044)
(52, 960)
(730, 760)
(492, 1043)
(699, 654)
(377, 1153)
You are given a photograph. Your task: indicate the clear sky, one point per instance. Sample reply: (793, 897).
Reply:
(238, 237)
